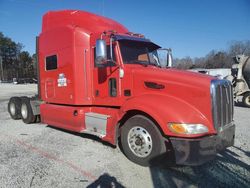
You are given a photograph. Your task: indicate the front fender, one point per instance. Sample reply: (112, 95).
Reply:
(165, 109)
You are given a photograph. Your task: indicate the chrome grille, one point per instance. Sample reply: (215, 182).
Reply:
(222, 103)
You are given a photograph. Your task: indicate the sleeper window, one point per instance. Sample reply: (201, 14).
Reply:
(51, 62)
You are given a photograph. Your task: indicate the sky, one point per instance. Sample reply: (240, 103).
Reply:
(190, 27)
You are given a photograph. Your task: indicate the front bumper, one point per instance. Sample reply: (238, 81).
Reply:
(200, 150)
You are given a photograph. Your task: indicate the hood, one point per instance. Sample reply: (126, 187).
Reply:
(193, 88)
(174, 76)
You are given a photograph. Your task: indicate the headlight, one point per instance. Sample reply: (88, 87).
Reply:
(183, 128)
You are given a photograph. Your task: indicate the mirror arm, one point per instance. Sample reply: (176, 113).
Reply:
(111, 47)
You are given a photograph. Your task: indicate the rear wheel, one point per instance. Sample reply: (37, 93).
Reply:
(246, 99)
(14, 107)
(26, 111)
(141, 140)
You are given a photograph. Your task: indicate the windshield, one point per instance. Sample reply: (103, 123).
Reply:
(136, 52)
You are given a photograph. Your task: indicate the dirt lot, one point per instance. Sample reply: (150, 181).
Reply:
(38, 155)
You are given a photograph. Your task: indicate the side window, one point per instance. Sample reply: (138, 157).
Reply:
(154, 58)
(109, 63)
(51, 62)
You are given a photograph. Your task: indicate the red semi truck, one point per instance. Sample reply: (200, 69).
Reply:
(98, 78)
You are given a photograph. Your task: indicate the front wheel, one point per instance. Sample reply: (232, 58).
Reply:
(141, 140)
(246, 99)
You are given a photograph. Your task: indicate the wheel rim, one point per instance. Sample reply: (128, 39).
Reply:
(12, 108)
(24, 111)
(247, 100)
(140, 141)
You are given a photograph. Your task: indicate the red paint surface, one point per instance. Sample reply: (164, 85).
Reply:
(71, 35)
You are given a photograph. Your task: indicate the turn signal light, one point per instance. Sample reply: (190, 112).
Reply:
(189, 129)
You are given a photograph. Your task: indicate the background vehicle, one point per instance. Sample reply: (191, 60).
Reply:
(240, 78)
(96, 77)
(219, 73)
(24, 80)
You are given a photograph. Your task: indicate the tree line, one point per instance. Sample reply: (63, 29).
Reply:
(215, 59)
(14, 62)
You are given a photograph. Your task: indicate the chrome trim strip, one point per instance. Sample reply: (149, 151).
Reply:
(85, 73)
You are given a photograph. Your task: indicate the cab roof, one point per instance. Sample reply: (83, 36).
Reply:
(90, 22)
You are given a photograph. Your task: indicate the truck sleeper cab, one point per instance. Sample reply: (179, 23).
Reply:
(96, 77)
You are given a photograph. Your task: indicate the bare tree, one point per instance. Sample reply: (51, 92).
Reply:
(215, 59)
(239, 47)
(184, 63)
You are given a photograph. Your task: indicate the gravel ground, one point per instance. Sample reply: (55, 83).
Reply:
(37, 155)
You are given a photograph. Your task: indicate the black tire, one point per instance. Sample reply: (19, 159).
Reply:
(246, 99)
(147, 133)
(14, 107)
(26, 111)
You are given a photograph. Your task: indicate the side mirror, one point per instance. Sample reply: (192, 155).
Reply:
(165, 57)
(169, 58)
(101, 52)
